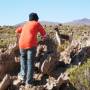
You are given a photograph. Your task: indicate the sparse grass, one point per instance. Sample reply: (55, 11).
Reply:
(80, 76)
(7, 36)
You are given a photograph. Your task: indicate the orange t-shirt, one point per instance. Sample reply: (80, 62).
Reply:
(28, 34)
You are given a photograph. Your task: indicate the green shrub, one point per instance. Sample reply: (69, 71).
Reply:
(80, 77)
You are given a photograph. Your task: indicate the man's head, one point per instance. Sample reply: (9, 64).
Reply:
(33, 17)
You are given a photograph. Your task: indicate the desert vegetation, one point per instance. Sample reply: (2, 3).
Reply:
(61, 73)
(7, 35)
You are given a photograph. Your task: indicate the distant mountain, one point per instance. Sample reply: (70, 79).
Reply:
(84, 21)
(49, 23)
(20, 24)
(42, 22)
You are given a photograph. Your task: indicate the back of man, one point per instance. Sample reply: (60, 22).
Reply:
(28, 37)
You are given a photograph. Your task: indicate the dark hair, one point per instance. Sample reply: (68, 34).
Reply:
(33, 16)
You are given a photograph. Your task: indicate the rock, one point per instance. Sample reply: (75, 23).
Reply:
(5, 82)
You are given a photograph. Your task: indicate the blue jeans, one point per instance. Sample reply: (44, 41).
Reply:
(27, 57)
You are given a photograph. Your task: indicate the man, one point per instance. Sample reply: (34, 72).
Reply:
(27, 45)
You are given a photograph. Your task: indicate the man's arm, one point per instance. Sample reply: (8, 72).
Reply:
(42, 32)
(18, 32)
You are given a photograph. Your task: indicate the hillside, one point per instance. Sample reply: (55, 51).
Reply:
(47, 23)
(83, 21)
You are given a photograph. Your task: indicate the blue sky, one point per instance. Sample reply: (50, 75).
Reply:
(16, 11)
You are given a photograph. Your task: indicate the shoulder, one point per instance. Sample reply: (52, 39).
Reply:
(18, 28)
(39, 24)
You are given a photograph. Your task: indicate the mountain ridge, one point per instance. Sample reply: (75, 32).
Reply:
(83, 21)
